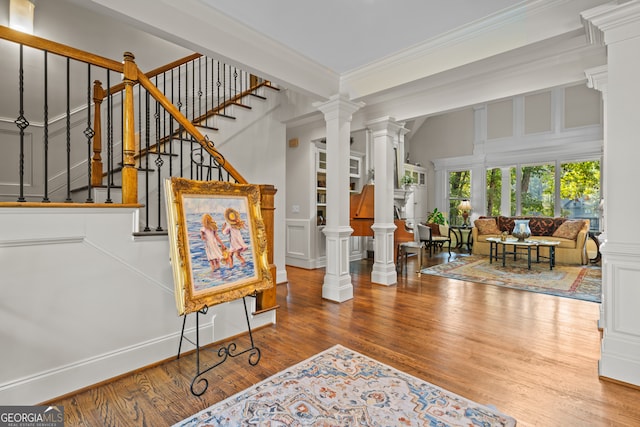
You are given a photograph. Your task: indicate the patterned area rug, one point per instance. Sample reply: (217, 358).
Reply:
(578, 282)
(340, 387)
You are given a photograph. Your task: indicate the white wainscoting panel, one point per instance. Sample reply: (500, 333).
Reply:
(298, 236)
(620, 353)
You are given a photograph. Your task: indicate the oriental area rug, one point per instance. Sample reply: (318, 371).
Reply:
(581, 282)
(340, 387)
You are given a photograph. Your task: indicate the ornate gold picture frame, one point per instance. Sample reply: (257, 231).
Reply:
(218, 242)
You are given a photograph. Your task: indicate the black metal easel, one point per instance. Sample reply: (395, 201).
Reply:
(223, 352)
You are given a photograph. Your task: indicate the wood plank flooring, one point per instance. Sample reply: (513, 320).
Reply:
(533, 356)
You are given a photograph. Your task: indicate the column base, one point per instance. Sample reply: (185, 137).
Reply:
(384, 274)
(333, 290)
(337, 280)
(384, 268)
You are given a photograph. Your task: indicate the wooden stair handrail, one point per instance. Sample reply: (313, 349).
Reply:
(59, 49)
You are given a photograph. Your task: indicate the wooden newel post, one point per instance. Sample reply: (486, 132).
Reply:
(266, 300)
(129, 172)
(96, 160)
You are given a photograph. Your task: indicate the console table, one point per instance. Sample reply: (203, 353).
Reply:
(496, 242)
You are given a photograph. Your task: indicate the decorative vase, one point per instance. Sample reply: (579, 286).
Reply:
(521, 230)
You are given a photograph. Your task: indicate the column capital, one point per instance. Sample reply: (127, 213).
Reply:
(386, 124)
(338, 107)
(598, 77)
(611, 23)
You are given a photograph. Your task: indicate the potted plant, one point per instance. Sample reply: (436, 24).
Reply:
(436, 217)
(407, 180)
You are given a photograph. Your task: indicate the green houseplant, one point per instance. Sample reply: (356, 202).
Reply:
(407, 180)
(436, 217)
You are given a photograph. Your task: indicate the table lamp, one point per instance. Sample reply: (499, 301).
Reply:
(465, 207)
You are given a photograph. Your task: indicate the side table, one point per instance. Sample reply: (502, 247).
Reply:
(594, 235)
(463, 236)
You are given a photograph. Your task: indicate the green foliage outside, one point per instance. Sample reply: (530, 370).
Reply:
(579, 181)
(459, 189)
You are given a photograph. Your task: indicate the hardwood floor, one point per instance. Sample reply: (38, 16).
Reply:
(533, 356)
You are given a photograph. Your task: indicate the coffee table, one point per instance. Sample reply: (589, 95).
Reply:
(496, 242)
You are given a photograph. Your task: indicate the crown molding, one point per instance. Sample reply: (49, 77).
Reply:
(612, 22)
(525, 23)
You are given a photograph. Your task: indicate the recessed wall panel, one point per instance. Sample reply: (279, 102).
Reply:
(500, 119)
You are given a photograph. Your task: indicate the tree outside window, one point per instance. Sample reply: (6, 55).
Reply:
(579, 190)
(537, 190)
(459, 190)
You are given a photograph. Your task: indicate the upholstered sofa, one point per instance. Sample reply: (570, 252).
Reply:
(571, 233)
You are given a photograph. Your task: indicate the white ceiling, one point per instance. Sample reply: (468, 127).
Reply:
(344, 35)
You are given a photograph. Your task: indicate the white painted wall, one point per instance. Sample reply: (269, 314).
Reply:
(255, 143)
(301, 225)
(84, 301)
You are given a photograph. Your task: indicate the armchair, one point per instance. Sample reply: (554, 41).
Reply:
(428, 237)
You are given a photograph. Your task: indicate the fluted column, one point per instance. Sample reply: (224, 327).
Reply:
(385, 132)
(338, 112)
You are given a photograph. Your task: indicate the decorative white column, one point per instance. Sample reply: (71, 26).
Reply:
(618, 27)
(338, 112)
(385, 133)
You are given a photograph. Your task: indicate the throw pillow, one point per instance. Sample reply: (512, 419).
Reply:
(486, 226)
(542, 226)
(569, 229)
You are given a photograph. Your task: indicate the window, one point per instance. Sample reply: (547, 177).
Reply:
(459, 190)
(537, 190)
(580, 191)
(534, 190)
(494, 191)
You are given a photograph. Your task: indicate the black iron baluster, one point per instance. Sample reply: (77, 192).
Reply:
(224, 89)
(171, 132)
(193, 109)
(186, 107)
(206, 88)
(88, 132)
(139, 148)
(45, 198)
(159, 162)
(22, 124)
(109, 139)
(68, 122)
(146, 156)
(218, 84)
(199, 89)
(122, 128)
(235, 81)
(180, 128)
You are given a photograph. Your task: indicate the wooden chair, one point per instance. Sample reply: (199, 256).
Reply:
(431, 241)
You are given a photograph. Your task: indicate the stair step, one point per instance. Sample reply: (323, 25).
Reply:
(225, 116)
(258, 96)
(209, 127)
(239, 104)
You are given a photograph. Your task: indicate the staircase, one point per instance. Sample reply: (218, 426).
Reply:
(87, 285)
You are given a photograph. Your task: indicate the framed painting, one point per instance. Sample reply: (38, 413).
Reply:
(218, 242)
